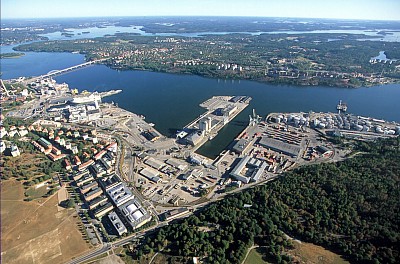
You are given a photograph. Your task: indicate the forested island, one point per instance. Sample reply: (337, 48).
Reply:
(11, 55)
(330, 59)
(350, 207)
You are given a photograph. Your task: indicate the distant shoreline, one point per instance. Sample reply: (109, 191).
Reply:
(11, 55)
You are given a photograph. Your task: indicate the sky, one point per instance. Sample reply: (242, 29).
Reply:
(342, 9)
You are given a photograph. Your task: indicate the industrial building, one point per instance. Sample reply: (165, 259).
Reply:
(205, 124)
(117, 223)
(176, 164)
(192, 174)
(241, 146)
(151, 135)
(194, 138)
(174, 214)
(324, 150)
(156, 164)
(248, 169)
(229, 110)
(151, 174)
(279, 146)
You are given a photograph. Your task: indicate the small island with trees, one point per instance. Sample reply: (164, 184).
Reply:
(11, 55)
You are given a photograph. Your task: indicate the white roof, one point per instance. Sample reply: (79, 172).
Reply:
(137, 215)
(131, 208)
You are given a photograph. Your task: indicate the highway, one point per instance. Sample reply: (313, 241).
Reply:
(92, 254)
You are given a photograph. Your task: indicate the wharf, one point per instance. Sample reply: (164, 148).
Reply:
(220, 111)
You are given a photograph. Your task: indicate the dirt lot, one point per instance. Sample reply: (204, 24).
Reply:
(35, 232)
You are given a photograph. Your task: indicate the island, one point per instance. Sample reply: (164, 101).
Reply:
(11, 55)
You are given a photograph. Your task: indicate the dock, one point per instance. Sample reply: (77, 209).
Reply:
(220, 111)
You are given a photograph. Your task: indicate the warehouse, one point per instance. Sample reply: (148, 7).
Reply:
(241, 146)
(156, 164)
(151, 174)
(279, 146)
(248, 169)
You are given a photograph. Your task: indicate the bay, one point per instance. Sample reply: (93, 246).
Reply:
(36, 63)
(170, 101)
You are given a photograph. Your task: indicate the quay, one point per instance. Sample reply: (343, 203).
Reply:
(220, 111)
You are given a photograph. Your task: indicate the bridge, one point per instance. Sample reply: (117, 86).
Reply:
(58, 72)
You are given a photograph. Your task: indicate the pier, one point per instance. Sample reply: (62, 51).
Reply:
(220, 111)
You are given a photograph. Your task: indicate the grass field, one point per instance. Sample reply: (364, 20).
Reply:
(310, 253)
(254, 258)
(36, 232)
(34, 193)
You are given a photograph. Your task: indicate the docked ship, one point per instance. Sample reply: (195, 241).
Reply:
(92, 97)
(341, 106)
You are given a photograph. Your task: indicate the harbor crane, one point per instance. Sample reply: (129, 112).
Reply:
(254, 118)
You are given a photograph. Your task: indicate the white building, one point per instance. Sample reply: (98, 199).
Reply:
(15, 151)
(134, 213)
(117, 223)
(120, 194)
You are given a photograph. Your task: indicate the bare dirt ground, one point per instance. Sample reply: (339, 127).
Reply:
(36, 232)
(112, 259)
(310, 254)
(62, 195)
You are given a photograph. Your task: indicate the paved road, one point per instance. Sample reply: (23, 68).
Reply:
(90, 255)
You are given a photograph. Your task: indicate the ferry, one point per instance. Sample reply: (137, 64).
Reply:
(341, 106)
(87, 97)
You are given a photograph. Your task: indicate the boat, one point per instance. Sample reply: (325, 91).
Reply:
(341, 106)
(85, 98)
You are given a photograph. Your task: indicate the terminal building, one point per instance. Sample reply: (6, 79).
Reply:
(248, 169)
